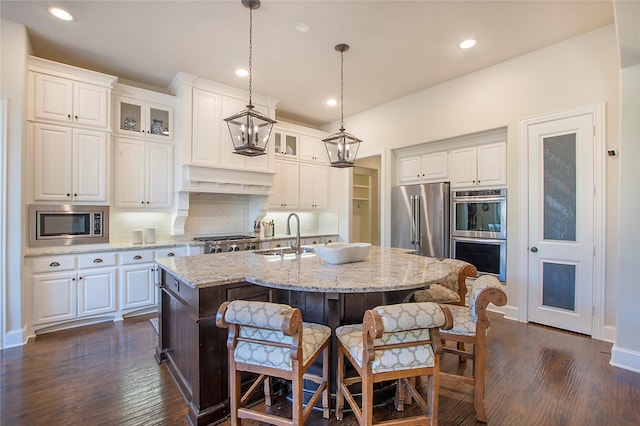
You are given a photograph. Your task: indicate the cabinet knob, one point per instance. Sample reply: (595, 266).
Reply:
(147, 202)
(79, 278)
(76, 117)
(97, 260)
(68, 194)
(75, 195)
(54, 264)
(534, 249)
(141, 202)
(69, 116)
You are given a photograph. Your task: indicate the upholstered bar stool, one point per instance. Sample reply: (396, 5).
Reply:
(395, 342)
(452, 289)
(271, 340)
(470, 326)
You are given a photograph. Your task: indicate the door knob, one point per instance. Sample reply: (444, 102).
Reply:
(534, 249)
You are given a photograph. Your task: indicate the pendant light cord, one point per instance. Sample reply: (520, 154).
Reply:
(342, 90)
(250, 51)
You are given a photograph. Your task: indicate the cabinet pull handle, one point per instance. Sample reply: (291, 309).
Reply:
(54, 264)
(171, 254)
(97, 260)
(137, 257)
(176, 284)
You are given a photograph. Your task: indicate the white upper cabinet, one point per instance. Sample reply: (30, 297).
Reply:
(286, 185)
(423, 168)
(206, 126)
(479, 166)
(211, 142)
(69, 164)
(67, 101)
(62, 93)
(312, 149)
(143, 174)
(313, 186)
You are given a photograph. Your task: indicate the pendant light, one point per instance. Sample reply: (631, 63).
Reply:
(342, 147)
(249, 129)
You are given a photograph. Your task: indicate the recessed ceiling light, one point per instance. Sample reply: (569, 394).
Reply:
(242, 72)
(61, 14)
(302, 27)
(332, 102)
(467, 44)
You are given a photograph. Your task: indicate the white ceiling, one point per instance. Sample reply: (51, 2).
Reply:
(397, 47)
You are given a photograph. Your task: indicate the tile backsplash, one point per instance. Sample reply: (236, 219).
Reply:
(217, 214)
(211, 214)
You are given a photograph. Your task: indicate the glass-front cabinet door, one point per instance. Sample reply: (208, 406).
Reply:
(285, 144)
(138, 118)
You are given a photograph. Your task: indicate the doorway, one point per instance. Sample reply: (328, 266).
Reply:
(365, 201)
(562, 200)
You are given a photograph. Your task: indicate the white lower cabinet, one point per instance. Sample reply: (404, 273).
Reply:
(78, 290)
(53, 297)
(96, 284)
(70, 288)
(137, 279)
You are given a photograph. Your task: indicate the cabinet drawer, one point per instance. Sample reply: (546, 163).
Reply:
(171, 251)
(136, 256)
(53, 264)
(96, 260)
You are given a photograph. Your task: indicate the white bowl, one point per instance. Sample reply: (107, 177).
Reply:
(338, 253)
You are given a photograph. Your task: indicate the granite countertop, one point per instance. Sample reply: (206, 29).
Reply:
(97, 248)
(384, 269)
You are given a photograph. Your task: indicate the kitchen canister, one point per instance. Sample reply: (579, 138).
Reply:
(137, 237)
(150, 235)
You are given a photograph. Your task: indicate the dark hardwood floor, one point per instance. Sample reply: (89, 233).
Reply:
(106, 375)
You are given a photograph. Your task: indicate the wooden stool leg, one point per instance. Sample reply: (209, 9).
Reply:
(267, 391)
(296, 390)
(326, 405)
(339, 379)
(367, 400)
(478, 382)
(234, 394)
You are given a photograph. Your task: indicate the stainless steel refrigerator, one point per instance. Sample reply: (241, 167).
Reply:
(420, 218)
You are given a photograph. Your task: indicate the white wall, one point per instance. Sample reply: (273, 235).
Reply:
(574, 73)
(626, 351)
(14, 47)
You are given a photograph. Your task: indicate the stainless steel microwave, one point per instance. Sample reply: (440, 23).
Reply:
(66, 224)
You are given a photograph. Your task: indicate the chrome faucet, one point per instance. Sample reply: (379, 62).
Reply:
(288, 231)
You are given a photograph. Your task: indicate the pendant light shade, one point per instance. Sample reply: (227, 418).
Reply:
(250, 130)
(342, 147)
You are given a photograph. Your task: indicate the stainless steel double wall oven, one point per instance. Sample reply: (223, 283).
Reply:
(479, 229)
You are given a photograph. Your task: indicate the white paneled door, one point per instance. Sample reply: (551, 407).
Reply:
(561, 222)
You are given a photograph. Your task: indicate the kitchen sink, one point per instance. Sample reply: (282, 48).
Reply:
(282, 251)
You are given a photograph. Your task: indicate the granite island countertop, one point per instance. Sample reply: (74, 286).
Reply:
(384, 269)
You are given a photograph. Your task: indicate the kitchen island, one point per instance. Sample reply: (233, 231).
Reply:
(192, 288)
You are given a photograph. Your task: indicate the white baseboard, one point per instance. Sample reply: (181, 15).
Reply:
(626, 359)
